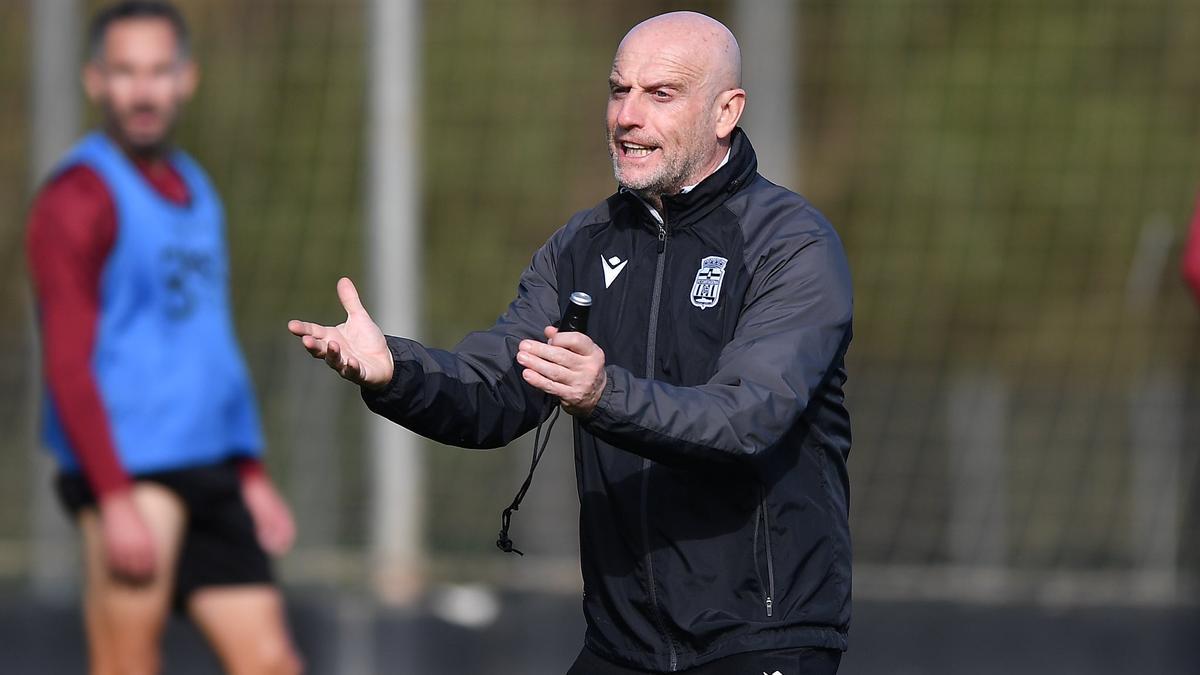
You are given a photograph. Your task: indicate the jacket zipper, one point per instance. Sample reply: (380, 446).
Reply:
(646, 463)
(766, 519)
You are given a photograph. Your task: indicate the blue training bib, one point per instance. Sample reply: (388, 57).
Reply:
(171, 375)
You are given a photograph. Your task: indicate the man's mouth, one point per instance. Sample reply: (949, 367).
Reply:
(635, 150)
(144, 117)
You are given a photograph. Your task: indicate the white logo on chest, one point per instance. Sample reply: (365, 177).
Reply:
(612, 269)
(706, 291)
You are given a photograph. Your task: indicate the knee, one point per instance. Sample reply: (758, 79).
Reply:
(142, 664)
(289, 664)
(277, 659)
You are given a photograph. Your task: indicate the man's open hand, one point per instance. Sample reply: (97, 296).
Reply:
(356, 348)
(569, 366)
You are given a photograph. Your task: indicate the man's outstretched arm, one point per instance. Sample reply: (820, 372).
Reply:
(471, 396)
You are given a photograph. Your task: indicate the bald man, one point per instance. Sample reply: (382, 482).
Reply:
(711, 431)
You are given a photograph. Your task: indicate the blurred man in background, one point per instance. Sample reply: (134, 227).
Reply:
(150, 411)
(711, 428)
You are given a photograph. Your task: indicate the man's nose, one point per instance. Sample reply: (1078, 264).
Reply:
(143, 87)
(630, 114)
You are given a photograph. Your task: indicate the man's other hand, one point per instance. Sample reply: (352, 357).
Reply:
(356, 348)
(273, 522)
(569, 366)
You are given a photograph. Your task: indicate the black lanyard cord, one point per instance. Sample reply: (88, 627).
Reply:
(575, 319)
(540, 442)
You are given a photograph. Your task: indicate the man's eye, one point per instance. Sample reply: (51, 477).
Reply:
(661, 94)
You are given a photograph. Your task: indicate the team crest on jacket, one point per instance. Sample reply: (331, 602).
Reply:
(707, 289)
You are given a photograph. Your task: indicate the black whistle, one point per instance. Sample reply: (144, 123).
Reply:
(575, 319)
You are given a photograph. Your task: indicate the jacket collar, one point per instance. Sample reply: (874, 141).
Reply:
(686, 209)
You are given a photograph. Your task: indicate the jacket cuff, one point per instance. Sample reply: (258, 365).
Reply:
(606, 397)
(391, 390)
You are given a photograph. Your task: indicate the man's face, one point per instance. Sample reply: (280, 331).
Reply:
(141, 81)
(661, 118)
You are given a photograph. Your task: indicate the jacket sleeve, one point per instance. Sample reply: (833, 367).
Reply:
(473, 396)
(792, 333)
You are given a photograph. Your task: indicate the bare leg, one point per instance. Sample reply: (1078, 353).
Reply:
(247, 628)
(124, 622)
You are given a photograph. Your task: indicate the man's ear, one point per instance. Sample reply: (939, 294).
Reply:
(93, 81)
(730, 104)
(189, 79)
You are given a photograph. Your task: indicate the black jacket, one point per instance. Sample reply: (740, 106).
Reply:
(712, 475)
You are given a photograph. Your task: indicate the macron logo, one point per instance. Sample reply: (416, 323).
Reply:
(612, 269)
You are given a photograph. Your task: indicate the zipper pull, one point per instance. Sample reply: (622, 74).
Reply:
(662, 237)
(768, 605)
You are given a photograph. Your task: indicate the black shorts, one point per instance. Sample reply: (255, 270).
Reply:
(220, 547)
(782, 661)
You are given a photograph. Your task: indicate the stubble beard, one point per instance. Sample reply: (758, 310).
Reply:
(673, 172)
(149, 147)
